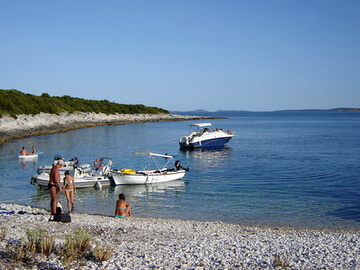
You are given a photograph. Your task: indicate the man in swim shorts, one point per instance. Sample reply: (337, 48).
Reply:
(54, 185)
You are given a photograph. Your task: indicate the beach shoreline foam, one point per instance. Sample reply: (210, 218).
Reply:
(145, 243)
(45, 123)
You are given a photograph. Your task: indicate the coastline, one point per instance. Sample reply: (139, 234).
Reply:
(146, 243)
(45, 123)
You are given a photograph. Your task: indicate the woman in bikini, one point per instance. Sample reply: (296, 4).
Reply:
(123, 208)
(70, 191)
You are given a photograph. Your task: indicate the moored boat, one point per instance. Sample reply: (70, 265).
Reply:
(28, 157)
(205, 137)
(69, 165)
(150, 176)
(95, 178)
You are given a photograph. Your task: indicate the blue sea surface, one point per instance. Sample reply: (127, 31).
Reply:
(282, 169)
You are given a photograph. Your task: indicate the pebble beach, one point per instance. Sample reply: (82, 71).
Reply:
(140, 243)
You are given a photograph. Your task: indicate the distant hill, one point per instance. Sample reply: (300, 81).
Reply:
(228, 113)
(14, 102)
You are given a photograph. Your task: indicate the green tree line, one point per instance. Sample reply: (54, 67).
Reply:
(14, 102)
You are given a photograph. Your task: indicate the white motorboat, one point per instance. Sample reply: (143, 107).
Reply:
(69, 165)
(95, 178)
(28, 157)
(149, 176)
(205, 137)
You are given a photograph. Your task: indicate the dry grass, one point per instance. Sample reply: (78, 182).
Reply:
(3, 232)
(103, 253)
(281, 261)
(39, 241)
(76, 245)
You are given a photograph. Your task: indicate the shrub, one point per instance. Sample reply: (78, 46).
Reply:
(14, 102)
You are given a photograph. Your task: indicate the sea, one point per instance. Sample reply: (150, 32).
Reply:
(283, 169)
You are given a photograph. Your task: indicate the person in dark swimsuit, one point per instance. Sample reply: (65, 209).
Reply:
(123, 208)
(54, 185)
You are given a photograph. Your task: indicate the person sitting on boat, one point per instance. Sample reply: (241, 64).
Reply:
(33, 152)
(69, 190)
(123, 208)
(178, 166)
(98, 163)
(23, 152)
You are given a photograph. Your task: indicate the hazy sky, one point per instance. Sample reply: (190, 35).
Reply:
(184, 55)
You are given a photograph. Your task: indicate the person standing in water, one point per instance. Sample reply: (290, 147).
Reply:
(70, 191)
(54, 185)
(23, 152)
(33, 152)
(123, 208)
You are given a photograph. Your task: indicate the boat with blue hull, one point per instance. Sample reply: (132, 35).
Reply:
(204, 137)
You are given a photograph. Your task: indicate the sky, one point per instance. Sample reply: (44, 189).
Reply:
(185, 55)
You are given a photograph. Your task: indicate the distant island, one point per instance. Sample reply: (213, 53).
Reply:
(227, 113)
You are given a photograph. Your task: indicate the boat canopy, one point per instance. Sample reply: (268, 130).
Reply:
(201, 125)
(152, 154)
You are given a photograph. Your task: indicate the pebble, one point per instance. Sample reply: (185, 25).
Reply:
(177, 244)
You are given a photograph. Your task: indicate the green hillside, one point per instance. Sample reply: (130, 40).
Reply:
(14, 102)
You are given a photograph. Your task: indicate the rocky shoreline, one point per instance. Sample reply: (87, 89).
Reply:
(140, 243)
(45, 123)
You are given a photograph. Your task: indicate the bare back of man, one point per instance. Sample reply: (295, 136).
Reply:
(23, 152)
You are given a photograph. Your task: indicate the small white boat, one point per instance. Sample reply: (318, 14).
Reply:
(82, 179)
(28, 157)
(69, 165)
(150, 176)
(204, 137)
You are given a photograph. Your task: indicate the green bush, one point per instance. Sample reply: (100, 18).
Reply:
(14, 102)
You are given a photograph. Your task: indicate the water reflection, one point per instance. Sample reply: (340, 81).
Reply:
(25, 164)
(111, 193)
(207, 158)
(144, 190)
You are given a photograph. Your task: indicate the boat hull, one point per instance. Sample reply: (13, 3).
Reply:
(47, 168)
(205, 137)
(215, 142)
(28, 157)
(146, 177)
(80, 182)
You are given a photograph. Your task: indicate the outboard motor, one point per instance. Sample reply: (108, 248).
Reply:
(74, 160)
(178, 166)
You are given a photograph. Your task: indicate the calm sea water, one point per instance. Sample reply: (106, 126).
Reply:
(294, 169)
